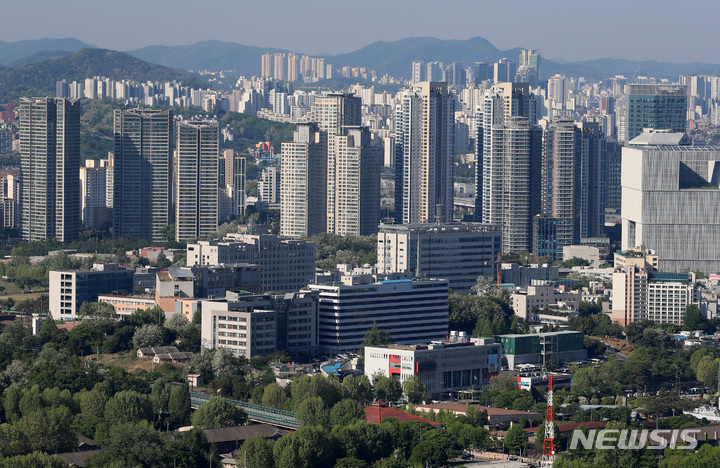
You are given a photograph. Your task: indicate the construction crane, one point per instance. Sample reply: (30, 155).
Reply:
(548, 456)
(498, 266)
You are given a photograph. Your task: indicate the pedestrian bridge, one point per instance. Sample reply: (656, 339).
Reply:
(257, 413)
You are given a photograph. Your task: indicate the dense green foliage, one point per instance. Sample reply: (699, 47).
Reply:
(333, 249)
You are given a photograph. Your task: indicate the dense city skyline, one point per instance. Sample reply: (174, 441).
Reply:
(630, 29)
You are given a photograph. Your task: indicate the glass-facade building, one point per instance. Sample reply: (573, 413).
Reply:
(656, 106)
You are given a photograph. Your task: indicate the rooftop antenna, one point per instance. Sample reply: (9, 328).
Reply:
(548, 456)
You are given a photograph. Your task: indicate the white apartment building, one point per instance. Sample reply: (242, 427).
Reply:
(641, 294)
(445, 367)
(412, 311)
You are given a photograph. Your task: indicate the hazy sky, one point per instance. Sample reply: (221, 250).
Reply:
(572, 29)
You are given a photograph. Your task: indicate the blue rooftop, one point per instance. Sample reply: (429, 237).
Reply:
(395, 281)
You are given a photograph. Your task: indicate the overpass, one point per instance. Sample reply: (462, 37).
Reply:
(256, 413)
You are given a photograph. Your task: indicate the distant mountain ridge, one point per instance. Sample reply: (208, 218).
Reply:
(12, 51)
(393, 58)
(38, 79)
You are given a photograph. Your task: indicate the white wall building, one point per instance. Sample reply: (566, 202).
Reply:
(443, 366)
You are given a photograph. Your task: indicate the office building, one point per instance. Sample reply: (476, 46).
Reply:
(542, 348)
(93, 194)
(142, 170)
(246, 325)
(655, 106)
(444, 367)
(250, 325)
(303, 181)
(69, 289)
(286, 265)
(196, 179)
(412, 311)
(424, 152)
(544, 237)
(50, 168)
(574, 180)
(670, 198)
(457, 252)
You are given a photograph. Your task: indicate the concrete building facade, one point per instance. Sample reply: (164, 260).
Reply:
(195, 180)
(69, 289)
(458, 252)
(143, 162)
(670, 197)
(286, 264)
(50, 167)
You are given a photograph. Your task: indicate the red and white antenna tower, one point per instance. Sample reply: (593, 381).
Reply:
(548, 457)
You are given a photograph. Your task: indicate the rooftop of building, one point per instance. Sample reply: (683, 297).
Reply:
(440, 228)
(555, 333)
(379, 411)
(651, 137)
(462, 407)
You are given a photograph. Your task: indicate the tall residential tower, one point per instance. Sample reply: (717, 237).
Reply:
(50, 164)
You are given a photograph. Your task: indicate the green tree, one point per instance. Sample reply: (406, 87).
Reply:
(49, 430)
(127, 406)
(516, 438)
(131, 444)
(179, 405)
(350, 462)
(34, 460)
(375, 337)
(274, 396)
(387, 388)
(312, 412)
(707, 372)
(414, 389)
(692, 320)
(346, 412)
(100, 313)
(218, 412)
(435, 449)
(148, 335)
(256, 451)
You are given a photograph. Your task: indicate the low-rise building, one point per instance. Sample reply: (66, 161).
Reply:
(445, 367)
(541, 348)
(542, 295)
(69, 289)
(127, 304)
(496, 416)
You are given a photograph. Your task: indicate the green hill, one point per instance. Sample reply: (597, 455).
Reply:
(38, 79)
